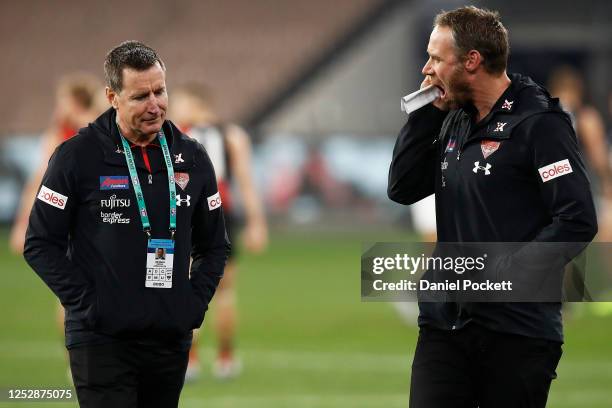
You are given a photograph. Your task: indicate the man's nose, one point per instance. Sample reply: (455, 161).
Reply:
(427, 69)
(153, 105)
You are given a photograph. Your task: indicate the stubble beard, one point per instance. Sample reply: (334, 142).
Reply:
(459, 90)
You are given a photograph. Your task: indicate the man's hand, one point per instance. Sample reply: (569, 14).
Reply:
(438, 103)
(255, 237)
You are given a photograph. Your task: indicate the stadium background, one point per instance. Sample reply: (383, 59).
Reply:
(318, 86)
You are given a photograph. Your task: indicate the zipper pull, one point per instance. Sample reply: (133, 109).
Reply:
(150, 179)
(459, 154)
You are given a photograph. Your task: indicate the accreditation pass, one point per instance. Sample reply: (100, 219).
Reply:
(160, 258)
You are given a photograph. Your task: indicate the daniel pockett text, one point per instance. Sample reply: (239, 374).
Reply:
(411, 266)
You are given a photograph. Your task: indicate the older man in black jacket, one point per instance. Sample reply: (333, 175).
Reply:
(107, 205)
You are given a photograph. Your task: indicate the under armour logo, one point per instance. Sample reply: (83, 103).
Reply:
(178, 158)
(486, 168)
(500, 126)
(119, 150)
(180, 201)
(507, 104)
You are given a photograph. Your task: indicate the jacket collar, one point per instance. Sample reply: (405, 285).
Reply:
(522, 97)
(107, 133)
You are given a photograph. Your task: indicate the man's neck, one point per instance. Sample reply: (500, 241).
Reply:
(135, 138)
(487, 92)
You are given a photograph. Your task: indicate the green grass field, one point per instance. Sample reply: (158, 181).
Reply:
(305, 337)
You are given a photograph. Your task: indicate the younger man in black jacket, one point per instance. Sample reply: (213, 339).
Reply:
(503, 161)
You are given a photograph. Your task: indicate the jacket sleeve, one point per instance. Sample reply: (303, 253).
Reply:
(210, 244)
(413, 167)
(564, 185)
(48, 234)
(565, 191)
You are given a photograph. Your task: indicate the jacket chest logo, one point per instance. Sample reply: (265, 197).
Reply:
(178, 158)
(486, 168)
(500, 126)
(181, 180)
(507, 105)
(180, 201)
(489, 147)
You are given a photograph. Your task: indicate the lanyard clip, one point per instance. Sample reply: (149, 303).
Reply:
(172, 231)
(148, 232)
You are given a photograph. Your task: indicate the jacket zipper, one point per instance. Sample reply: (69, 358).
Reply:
(145, 158)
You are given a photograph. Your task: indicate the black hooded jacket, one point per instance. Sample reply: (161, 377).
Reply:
(85, 237)
(515, 176)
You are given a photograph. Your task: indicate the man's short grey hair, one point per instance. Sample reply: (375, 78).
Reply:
(128, 54)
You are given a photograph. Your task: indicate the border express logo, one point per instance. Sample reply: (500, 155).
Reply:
(114, 183)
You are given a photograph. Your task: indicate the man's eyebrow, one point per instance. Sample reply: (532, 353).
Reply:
(138, 94)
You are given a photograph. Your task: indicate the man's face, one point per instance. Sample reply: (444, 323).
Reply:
(142, 103)
(446, 70)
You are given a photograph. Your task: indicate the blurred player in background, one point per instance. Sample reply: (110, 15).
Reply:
(78, 101)
(567, 84)
(229, 148)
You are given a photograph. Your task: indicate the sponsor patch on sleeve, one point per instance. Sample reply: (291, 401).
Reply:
(52, 198)
(214, 201)
(554, 170)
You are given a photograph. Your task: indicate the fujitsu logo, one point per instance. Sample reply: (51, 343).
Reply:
(554, 170)
(113, 202)
(52, 198)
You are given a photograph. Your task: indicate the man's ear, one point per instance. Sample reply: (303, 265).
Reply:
(473, 59)
(111, 96)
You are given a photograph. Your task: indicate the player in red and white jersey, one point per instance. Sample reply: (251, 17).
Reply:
(77, 102)
(229, 149)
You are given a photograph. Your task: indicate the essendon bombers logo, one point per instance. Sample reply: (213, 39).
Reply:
(554, 170)
(53, 198)
(214, 201)
(489, 147)
(181, 180)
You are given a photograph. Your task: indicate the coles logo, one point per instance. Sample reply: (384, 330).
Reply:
(554, 170)
(214, 201)
(114, 183)
(52, 198)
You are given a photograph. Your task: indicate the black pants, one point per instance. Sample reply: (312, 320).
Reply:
(127, 375)
(476, 367)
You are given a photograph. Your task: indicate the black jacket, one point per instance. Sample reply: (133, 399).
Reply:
(490, 186)
(90, 249)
